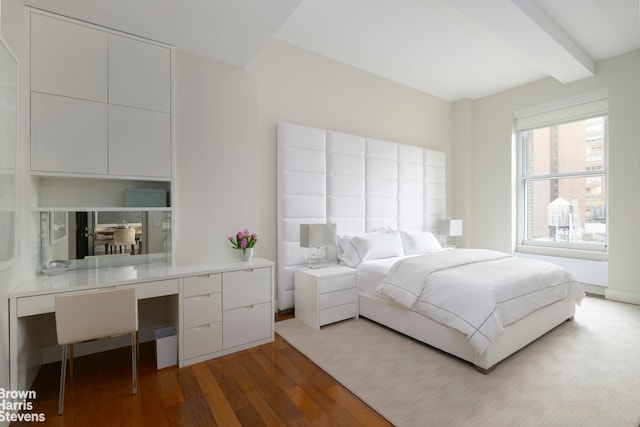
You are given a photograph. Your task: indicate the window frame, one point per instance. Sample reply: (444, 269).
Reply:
(546, 116)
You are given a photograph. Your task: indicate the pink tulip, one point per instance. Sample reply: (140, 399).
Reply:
(243, 243)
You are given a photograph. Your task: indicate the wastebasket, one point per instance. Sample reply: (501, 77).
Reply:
(166, 347)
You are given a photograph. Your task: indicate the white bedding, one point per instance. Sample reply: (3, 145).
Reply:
(371, 273)
(477, 292)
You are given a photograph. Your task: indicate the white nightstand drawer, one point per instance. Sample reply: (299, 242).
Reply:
(202, 340)
(336, 283)
(202, 285)
(246, 287)
(246, 324)
(337, 298)
(335, 314)
(202, 309)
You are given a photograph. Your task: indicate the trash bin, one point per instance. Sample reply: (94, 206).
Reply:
(166, 347)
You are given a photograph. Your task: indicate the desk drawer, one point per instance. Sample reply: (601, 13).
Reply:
(337, 298)
(202, 309)
(158, 288)
(201, 340)
(246, 287)
(202, 285)
(247, 324)
(40, 304)
(29, 306)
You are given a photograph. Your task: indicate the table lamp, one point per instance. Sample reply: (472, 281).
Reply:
(450, 228)
(320, 237)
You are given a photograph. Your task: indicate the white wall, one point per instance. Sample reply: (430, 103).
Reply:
(226, 121)
(217, 149)
(307, 89)
(490, 211)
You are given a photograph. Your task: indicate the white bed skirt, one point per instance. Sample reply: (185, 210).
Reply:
(514, 337)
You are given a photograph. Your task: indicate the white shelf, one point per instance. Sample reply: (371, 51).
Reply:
(72, 175)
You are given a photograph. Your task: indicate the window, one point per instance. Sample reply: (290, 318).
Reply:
(562, 183)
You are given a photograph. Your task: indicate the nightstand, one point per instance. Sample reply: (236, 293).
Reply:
(325, 295)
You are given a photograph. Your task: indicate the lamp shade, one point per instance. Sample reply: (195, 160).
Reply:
(317, 235)
(450, 227)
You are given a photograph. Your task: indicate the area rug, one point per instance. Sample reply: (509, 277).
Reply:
(586, 372)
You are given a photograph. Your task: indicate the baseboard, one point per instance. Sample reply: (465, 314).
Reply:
(622, 296)
(594, 289)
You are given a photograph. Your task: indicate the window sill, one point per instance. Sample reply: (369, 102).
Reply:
(563, 252)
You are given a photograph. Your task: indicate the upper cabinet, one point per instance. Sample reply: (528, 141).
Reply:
(139, 74)
(100, 101)
(68, 59)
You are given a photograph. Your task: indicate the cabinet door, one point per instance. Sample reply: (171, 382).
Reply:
(68, 59)
(139, 142)
(139, 74)
(244, 325)
(68, 135)
(246, 287)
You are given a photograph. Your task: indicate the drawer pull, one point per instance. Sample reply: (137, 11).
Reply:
(203, 327)
(249, 307)
(205, 296)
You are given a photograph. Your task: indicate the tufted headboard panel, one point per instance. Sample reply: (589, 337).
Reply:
(361, 184)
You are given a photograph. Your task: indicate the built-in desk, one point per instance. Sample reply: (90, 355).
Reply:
(230, 308)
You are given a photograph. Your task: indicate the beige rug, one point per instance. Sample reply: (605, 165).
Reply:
(583, 373)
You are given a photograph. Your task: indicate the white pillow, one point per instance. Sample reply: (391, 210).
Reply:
(345, 250)
(376, 246)
(421, 242)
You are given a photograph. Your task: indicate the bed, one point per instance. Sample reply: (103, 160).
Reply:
(370, 187)
(480, 306)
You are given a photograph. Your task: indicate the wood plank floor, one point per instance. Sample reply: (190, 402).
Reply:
(270, 385)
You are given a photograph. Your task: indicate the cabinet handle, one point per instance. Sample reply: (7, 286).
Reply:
(206, 296)
(249, 307)
(203, 326)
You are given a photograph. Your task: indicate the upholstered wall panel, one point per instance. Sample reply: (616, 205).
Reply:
(410, 188)
(346, 182)
(360, 184)
(381, 162)
(302, 198)
(435, 188)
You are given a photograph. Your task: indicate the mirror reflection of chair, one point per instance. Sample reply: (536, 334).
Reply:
(92, 315)
(124, 238)
(138, 229)
(100, 239)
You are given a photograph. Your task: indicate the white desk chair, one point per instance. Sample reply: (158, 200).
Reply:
(93, 315)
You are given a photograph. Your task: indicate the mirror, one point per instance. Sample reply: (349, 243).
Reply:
(8, 142)
(105, 238)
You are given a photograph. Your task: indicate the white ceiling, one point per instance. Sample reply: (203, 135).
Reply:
(452, 49)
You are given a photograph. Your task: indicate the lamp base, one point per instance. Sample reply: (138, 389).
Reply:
(319, 259)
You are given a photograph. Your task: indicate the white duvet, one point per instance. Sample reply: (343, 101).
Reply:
(476, 291)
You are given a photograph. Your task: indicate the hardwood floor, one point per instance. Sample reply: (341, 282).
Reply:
(270, 385)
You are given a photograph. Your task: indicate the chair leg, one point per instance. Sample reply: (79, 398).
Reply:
(134, 368)
(63, 374)
(70, 355)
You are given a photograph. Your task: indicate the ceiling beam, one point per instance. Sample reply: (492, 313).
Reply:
(525, 27)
